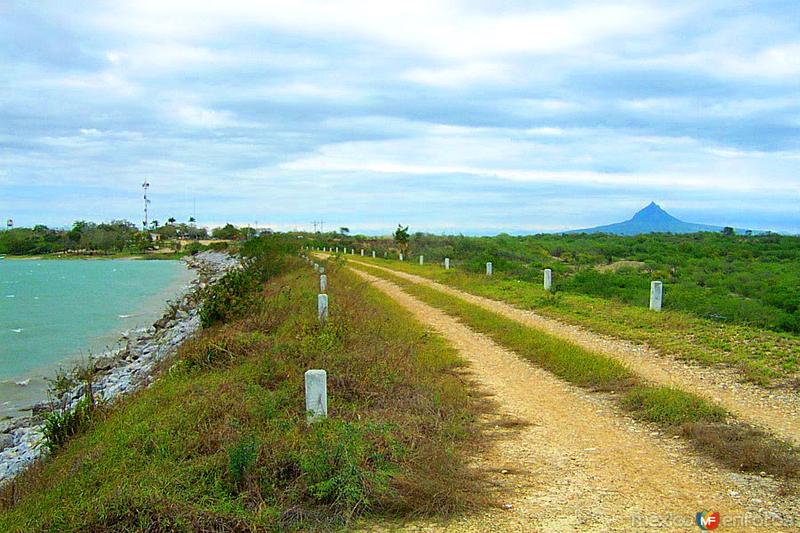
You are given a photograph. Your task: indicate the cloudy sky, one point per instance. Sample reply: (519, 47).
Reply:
(447, 116)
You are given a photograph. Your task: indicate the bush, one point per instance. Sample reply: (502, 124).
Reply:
(229, 298)
(347, 465)
(194, 248)
(242, 457)
(218, 246)
(59, 426)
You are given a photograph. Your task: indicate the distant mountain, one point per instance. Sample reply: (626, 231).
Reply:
(651, 219)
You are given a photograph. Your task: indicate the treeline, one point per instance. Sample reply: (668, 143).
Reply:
(108, 237)
(742, 279)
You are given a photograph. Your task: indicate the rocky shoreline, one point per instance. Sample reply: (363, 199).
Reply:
(123, 371)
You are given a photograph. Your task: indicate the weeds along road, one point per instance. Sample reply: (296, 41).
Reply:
(750, 403)
(578, 465)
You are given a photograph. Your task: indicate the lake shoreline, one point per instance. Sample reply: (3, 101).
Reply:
(121, 371)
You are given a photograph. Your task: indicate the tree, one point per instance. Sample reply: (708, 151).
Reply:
(727, 231)
(344, 230)
(227, 232)
(192, 220)
(401, 238)
(171, 220)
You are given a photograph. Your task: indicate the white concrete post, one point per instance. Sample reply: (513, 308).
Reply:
(373, 254)
(322, 307)
(548, 279)
(323, 283)
(322, 270)
(401, 257)
(489, 268)
(421, 260)
(352, 251)
(337, 249)
(447, 263)
(316, 394)
(656, 293)
(362, 252)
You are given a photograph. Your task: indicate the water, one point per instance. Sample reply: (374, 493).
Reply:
(53, 313)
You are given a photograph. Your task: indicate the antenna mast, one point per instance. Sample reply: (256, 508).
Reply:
(145, 186)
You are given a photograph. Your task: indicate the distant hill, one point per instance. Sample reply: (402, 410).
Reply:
(652, 219)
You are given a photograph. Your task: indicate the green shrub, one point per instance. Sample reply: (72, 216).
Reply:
(218, 246)
(347, 465)
(59, 426)
(194, 248)
(242, 457)
(228, 298)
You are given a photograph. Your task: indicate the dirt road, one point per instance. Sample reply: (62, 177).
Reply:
(579, 465)
(778, 412)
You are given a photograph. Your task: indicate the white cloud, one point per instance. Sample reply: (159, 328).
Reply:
(96, 81)
(270, 100)
(442, 29)
(660, 162)
(191, 115)
(307, 90)
(459, 75)
(771, 63)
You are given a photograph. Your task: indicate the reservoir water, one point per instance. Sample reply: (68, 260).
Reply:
(53, 313)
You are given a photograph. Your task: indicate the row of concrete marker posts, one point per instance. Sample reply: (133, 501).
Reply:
(316, 380)
(656, 287)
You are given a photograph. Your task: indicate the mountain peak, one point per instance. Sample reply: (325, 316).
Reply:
(653, 212)
(650, 219)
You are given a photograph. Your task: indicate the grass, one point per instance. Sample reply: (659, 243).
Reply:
(761, 356)
(220, 441)
(744, 447)
(671, 408)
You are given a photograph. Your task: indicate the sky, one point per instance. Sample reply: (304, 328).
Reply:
(473, 117)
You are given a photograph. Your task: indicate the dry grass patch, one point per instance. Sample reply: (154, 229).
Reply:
(743, 447)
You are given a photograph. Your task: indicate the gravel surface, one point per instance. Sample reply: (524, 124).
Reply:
(582, 464)
(777, 410)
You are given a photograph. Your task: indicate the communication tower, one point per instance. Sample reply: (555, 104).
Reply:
(145, 186)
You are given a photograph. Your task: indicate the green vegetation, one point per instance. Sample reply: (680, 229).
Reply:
(60, 426)
(118, 237)
(87, 238)
(747, 280)
(671, 408)
(762, 356)
(220, 441)
(401, 239)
